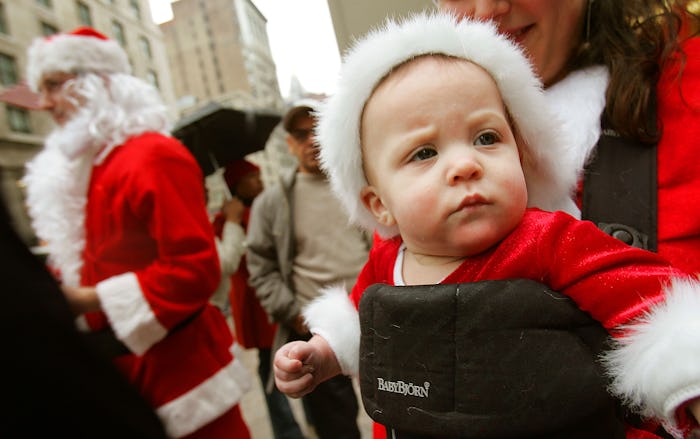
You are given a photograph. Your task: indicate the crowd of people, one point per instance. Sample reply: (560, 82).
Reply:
(486, 141)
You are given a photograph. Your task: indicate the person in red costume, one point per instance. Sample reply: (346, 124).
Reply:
(120, 204)
(451, 186)
(604, 65)
(252, 326)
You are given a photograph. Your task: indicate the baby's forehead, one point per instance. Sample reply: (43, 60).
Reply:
(437, 60)
(430, 66)
(427, 69)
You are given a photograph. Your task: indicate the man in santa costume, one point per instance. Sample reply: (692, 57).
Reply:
(120, 205)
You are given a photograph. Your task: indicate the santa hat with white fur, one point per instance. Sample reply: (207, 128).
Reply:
(550, 185)
(81, 50)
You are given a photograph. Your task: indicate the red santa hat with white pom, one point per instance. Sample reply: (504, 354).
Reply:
(550, 182)
(81, 50)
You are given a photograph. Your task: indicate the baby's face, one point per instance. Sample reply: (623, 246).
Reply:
(441, 158)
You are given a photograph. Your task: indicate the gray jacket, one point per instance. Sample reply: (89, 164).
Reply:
(270, 240)
(270, 255)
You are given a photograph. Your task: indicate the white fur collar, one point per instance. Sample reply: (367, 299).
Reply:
(579, 100)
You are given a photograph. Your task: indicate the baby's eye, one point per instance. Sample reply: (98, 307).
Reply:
(424, 154)
(486, 139)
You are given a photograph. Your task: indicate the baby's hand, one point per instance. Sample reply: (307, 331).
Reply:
(294, 373)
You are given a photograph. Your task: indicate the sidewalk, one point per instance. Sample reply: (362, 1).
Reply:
(255, 411)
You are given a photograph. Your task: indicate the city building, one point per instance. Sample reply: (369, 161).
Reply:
(353, 19)
(219, 52)
(21, 21)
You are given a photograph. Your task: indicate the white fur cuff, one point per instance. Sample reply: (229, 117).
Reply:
(334, 317)
(129, 314)
(655, 366)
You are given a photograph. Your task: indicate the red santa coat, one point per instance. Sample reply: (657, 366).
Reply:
(616, 284)
(678, 166)
(579, 100)
(149, 250)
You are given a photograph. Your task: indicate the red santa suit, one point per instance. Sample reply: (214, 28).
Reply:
(148, 248)
(579, 100)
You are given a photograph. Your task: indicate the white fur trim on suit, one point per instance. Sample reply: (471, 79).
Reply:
(207, 401)
(656, 363)
(129, 313)
(333, 316)
(550, 183)
(74, 54)
(579, 100)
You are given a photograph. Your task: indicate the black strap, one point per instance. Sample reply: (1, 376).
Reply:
(620, 188)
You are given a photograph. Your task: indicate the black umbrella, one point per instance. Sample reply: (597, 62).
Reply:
(216, 135)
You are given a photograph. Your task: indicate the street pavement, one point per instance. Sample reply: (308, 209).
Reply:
(255, 411)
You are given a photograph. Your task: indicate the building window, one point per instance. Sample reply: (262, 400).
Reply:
(135, 9)
(45, 3)
(146, 47)
(84, 15)
(3, 20)
(18, 119)
(118, 31)
(152, 78)
(8, 70)
(48, 29)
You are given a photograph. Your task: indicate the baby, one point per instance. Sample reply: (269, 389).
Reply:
(439, 139)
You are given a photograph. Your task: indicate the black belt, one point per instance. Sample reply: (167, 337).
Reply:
(106, 342)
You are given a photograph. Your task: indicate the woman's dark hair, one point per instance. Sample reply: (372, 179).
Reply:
(633, 38)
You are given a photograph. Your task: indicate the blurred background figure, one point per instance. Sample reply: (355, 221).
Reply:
(252, 326)
(299, 241)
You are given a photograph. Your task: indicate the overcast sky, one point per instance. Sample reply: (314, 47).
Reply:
(301, 40)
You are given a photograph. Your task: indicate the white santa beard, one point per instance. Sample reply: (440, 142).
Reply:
(57, 180)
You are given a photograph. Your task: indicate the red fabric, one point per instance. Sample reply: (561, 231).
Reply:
(378, 431)
(570, 256)
(82, 31)
(229, 425)
(86, 31)
(678, 164)
(236, 170)
(146, 223)
(252, 326)
(146, 215)
(610, 280)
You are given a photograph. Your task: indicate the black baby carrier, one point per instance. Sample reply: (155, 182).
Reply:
(491, 359)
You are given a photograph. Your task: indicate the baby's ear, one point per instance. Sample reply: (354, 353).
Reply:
(373, 203)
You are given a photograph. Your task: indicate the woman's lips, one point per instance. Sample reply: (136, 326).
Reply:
(519, 34)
